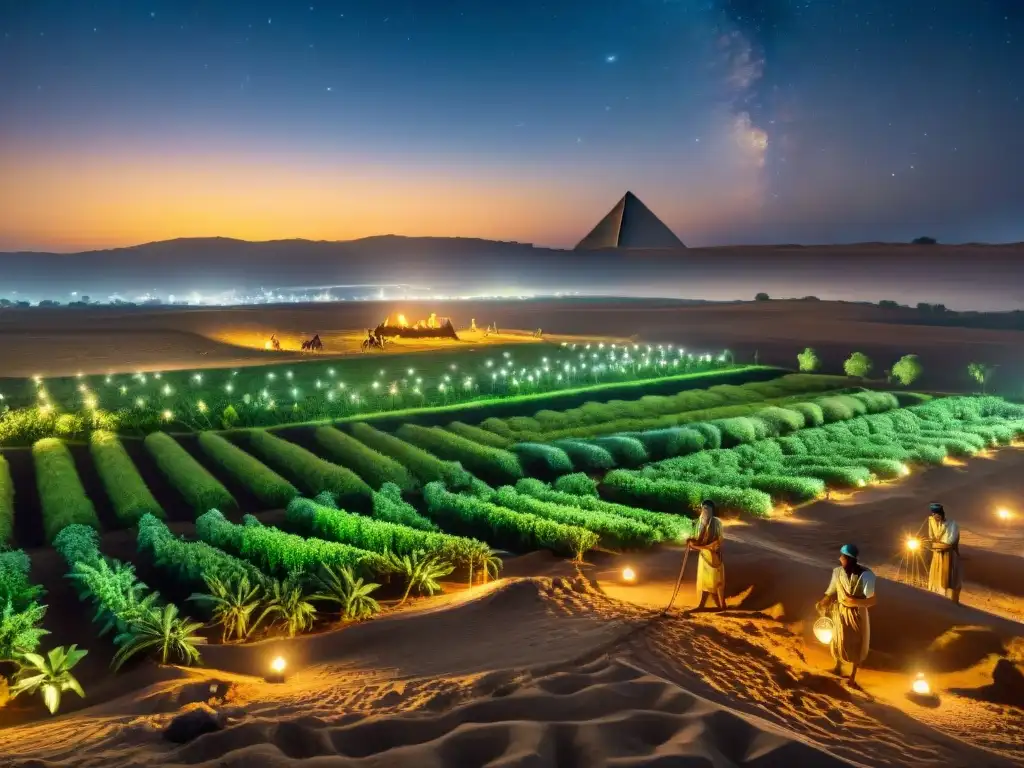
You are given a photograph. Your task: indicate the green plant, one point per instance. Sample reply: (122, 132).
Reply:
(577, 483)
(489, 564)
(197, 486)
(264, 483)
(627, 451)
(586, 457)
(980, 372)
(162, 630)
(311, 473)
(348, 591)
(372, 466)
(50, 675)
(6, 502)
(389, 506)
(15, 586)
(482, 436)
(858, 365)
(229, 417)
(420, 571)
(423, 464)
(62, 497)
(231, 604)
(287, 602)
(808, 361)
(128, 492)
(493, 464)
(907, 369)
(541, 459)
(20, 629)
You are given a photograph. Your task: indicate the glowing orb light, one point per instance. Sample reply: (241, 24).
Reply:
(913, 544)
(267, 345)
(824, 630)
(904, 470)
(628, 574)
(920, 685)
(277, 668)
(1003, 513)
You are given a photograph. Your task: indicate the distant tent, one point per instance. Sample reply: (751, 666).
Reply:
(630, 224)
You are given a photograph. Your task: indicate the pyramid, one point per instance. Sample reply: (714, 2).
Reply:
(630, 224)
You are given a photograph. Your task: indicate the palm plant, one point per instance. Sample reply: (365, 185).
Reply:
(421, 572)
(287, 602)
(488, 562)
(173, 635)
(50, 674)
(351, 593)
(232, 605)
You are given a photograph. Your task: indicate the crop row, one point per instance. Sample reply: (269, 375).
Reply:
(649, 412)
(750, 478)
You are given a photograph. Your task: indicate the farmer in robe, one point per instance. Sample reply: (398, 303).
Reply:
(710, 566)
(847, 599)
(944, 575)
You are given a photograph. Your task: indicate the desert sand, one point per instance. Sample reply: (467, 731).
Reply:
(100, 340)
(558, 664)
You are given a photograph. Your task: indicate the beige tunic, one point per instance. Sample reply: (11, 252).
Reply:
(944, 573)
(851, 638)
(710, 566)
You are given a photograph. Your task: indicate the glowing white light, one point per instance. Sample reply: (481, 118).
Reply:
(278, 665)
(920, 685)
(167, 415)
(628, 574)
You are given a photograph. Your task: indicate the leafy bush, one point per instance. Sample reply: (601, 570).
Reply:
(781, 421)
(15, 586)
(614, 531)
(482, 436)
(627, 451)
(737, 431)
(389, 506)
(812, 413)
(711, 433)
(518, 531)
(197, 486)
(578, 483)
(6, 502)
(380, 536)
(586, 457)
(61, 494)
(261, 481)
(671, 527)
(673, 441)
(128, 492)
(191, 562)
(424, 465)
(309, 472)
(492, 464)
(373, 466)
(274, 551)
(543, 460)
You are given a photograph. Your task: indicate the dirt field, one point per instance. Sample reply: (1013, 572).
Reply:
(99, 340)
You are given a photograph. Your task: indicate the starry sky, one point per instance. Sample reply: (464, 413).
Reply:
(736, 121)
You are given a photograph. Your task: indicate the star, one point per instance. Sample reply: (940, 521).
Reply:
(611, 58)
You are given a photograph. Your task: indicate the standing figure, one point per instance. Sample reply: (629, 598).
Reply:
(944, 575)
(710, 566)
(847, 599)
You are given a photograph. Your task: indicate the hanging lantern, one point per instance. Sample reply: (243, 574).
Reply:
(824, 630)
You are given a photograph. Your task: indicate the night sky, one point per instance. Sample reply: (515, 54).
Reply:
(737, 121)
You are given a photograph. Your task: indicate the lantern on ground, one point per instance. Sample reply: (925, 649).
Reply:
(277, 668)
(628, 575)
(920, 685)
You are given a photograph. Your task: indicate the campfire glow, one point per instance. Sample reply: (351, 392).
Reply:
(628, 574)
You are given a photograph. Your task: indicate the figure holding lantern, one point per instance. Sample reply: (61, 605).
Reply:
(849, 596)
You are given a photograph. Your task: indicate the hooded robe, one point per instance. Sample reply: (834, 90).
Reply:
(851, 634)
(944, 573)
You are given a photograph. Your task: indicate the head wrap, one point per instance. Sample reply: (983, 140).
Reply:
(936, 509)
(850, 550)
(708, 504)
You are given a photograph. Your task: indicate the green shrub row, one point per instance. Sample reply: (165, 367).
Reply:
(683, 496)
(671, 527)
(627, 451)
(576, 483)
(373, 466)
(615, 532)
(543, 460)
(586, 457)
(426, 467)
(128, 492)
(191, 562)
(389, 506)
(6, 502)
(312, 519)
(518, 531)
(16, 588)
(482, 436)
(201, 490)
(308, 471)
(276, 552)
(62, 497)
(490, 464)
(272, 490)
